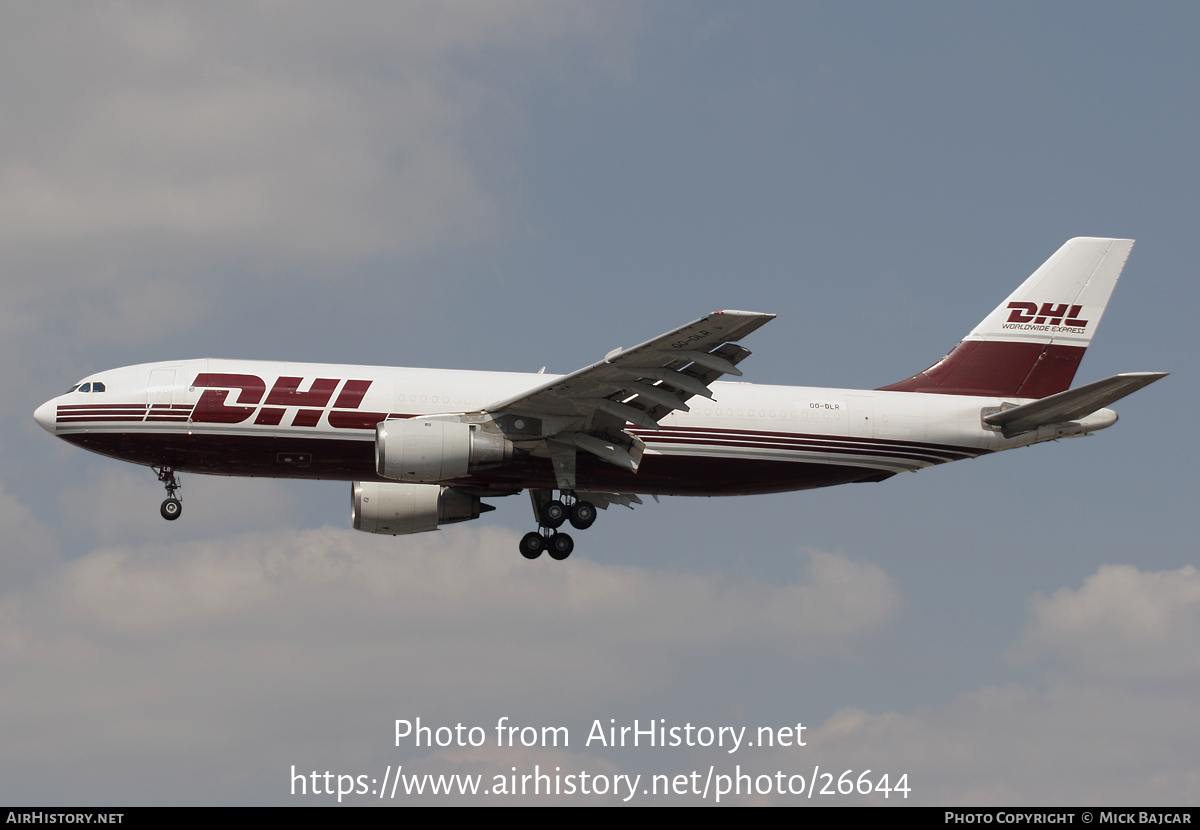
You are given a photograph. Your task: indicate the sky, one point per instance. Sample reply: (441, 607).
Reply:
(507, 186)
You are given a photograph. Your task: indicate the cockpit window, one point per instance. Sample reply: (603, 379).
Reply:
(87, 387)
(73, 388)
(97, 387)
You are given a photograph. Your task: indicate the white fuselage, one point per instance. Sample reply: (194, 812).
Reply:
(239, 417)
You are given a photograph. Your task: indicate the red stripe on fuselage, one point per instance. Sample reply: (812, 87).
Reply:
(716, 432)
(810, 447)
(351, 460)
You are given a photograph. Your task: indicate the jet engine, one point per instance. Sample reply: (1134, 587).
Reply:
(399, 509)
(422, 450)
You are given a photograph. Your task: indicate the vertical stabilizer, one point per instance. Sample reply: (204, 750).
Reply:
(1031, 344)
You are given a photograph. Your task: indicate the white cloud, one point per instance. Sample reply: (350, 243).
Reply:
(211, 666)
(1122, 623)
(296, 131)
(233, 659)
(1115, 724)
(26, 546)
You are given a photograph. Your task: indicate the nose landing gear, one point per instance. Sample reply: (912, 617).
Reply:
(551, 514)
(172, 508)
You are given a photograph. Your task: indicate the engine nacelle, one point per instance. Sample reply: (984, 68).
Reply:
(429, 449)
(399, 509)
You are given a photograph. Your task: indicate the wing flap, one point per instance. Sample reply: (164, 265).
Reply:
(671, 363)
(589, 409)
(603, 500)
(650, 362)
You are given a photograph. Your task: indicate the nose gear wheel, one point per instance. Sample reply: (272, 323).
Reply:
(172, 508)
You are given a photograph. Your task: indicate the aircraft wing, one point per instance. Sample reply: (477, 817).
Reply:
(1071, 404)
(589, 409)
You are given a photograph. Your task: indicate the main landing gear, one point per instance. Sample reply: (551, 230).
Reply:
(172, 508)
(552, 514)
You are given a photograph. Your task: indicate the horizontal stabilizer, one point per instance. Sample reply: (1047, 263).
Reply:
(1072, 404)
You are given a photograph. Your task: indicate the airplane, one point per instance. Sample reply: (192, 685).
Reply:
(422, 447)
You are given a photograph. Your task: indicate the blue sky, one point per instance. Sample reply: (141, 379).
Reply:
(511, 186)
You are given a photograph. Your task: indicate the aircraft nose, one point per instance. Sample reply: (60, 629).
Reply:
(45, 415)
